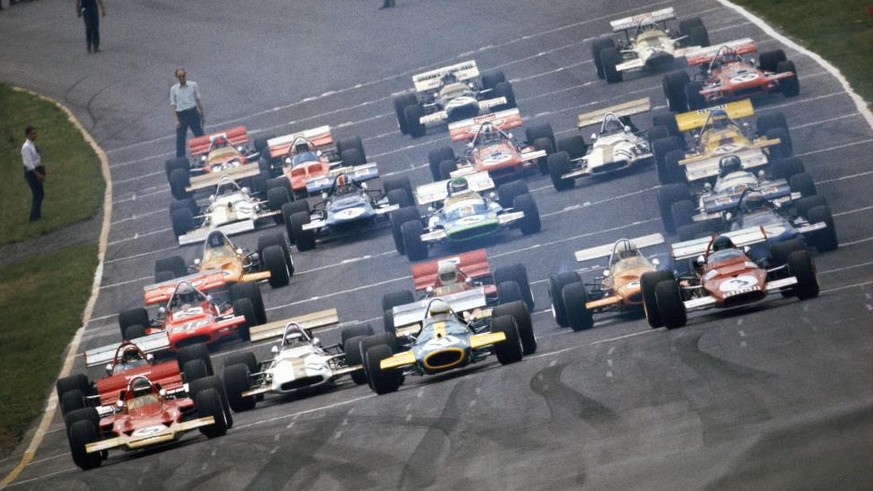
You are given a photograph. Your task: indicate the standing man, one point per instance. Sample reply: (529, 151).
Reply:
(34, 172)
(187, 109)
(88, 10)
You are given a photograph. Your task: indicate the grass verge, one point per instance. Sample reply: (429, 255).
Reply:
(839, 30)
(74, 185)
(42, 298)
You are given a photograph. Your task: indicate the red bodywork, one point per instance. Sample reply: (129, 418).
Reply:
(299, 173)
(167, 374)
(734, 280)
(144, 416)
(203, 323)
(501, 158)
(320, 139)
(473, 264)
(736, 78)
(201, 145)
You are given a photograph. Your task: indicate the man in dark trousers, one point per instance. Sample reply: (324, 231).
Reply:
(87, 9)
(187, 109)
(34, 172)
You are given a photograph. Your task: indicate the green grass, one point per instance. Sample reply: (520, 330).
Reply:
(42, 299)
(74, 185)
(841, 31)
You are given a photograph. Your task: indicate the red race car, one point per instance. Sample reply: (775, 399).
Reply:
(190, 316)
(725, 276)
(492, 149)
(140, 402)
(725, 75)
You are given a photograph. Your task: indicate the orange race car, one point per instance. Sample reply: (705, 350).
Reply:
(221, 153)
(575, 302)
(492, 149)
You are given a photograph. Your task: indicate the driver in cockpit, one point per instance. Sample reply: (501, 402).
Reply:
(303, 151)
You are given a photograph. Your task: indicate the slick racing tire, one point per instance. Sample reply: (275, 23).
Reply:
(521, 315)
(510, 350)
(416, 249)
(800, 265)
(530, 223)
(559, 165)
(401, 102)
(609, 58)
(556, 286)
(303, 239)
(508, 291)
(683, 212)
(353, 142)
(356, 330)
(381, 381)
(790, 86)
(246, 358)
(436, 157)
(236, 381)
(208, 403)
(195, 352)
(244, 307)
(648, 282)
(491, 78)
(506, 193)
(183, 221)
(253, 293)
(276, 239)
(667, 195)
(516, 273)
(173, 264)
(674, 84)
(824, 240)
(390, 183)
(578, 316)
(212, 382)
(351, 346)
(575, 146)
(398, 218)
(132, 317)
(504, 89)
(393, 299)
(193, 370)
(80, 434)
(179, 180)
(78, 382)
(670, 304)
(275, 262)
(413, 115)
(596, 48)
(72, 400)
(769, 60)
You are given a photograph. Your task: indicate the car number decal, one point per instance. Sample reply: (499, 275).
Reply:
(739, 283)
(148, 431)
(743, 78)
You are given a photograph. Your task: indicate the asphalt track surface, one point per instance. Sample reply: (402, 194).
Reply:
(774, 396)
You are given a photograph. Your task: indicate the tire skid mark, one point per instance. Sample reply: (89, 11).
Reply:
(721, 394)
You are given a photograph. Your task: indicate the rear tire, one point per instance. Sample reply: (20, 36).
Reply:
(416, 249)
(521, 315)
(80, 434)
(208, 403)
(557, 282)
(276, 263)
(578, 316)
(510, 350)
(436, 157)
(516, 273)
(790, 86)
(596, 48)
(236, 381)
(648, 282)
(801, 266)
(559, 165)
(674, 90)
(381, 381)
(609, 58)
(413, 115)
(670, 304)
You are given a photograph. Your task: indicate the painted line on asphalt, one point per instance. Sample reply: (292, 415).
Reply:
(843, 178)
(140, 235)
(135, 217)
(846, 287)
(144, 254)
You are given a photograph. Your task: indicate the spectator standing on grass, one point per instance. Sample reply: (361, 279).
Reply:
(187, 109)
(34, 172)
(87, 9)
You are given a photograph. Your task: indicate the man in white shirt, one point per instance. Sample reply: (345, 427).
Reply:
(34, 172)
(187, 109)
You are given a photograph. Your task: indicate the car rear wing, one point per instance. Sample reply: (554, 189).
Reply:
(309, 322)
(605, 250)
(466, 130)
(696, 119)
(235, 136)
(320, 137)
(646, 19)
(358, 173)
(413, 313)
(199, 235)
(152, 343)
(212, 179)
(619, 110)
(699, 56)
(437, 191)
(771, 190)
(698, 247)
(428, 81)
(203, 281)
(473, 264)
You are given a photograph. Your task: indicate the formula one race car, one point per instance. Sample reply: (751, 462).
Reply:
(451, 93)
(440, 334)
(140, 403)
(310, 154)
(724, 276)
(720, 135)
(616, 147)
(190, 316)
(299, 362)
(575, 302)
(232, 209)
(725, 76)
(226, 152)
(457, 213)
(462, 272)
(492, 149)
(348, 207)
(270, 262)
(647, 44)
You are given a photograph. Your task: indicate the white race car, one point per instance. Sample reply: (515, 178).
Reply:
(648, 43)
(299, 361)
(616, 147)
(232, 209)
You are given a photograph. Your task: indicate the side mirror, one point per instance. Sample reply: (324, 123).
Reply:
(197, 262)
(707, 187)
(150, 357)
(162, 392)
(119, 403)
(212, 198)
(288, 160)
(209, 298)
(318, 153)
(240, 148)
(492, 195)
(274, 350)
(700, 261)
(606, 273)
(468, 281)
(593, 136)
(244, 190)
(363, 185)
(239, 250)
(428, 290)
(162, 310)
(324, 195)
(108, 368)
(746, 249)
(627, 129)
(203, 158)
(509, 135)
(316, 342)
(656, 262)
(728, 216)
(470, 145)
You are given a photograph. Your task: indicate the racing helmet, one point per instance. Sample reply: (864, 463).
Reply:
(301, 145)
(293, 334)
(626, 249)
(754, 201)
(438, 306)
(220, 142)
(728, 164)
(185, 294)
(489, 134)
(458, 185)
(721, 243)
(141, 386)
(449, 78)
(131, 354)
(447, 273)
(719, 119)
(344, 183)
